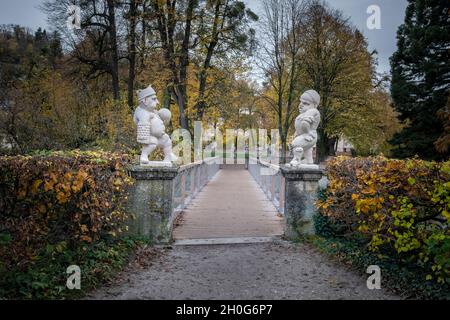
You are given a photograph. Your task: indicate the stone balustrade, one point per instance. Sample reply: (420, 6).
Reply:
(269, 178)
(159, 194)
(191, 178)
(293, 191)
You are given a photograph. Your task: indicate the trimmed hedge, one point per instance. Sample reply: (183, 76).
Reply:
(402, 277)
(64, 204)
(399, 209)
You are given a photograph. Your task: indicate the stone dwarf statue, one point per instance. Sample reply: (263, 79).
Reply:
(151, 129)
(306, 125)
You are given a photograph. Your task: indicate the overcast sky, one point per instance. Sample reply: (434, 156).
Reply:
(383, 40)
(26, 13)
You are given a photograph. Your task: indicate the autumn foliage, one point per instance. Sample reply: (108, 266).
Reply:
(63, 199)
(402, 207)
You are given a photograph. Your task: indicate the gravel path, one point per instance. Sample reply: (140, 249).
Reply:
(279, 270)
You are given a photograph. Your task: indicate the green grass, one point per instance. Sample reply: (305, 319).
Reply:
(406, 280)
(46, 277)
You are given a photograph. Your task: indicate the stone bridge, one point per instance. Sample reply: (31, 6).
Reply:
(208, 202)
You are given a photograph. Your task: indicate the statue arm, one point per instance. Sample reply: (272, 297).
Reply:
(318, 117)
(312, 116)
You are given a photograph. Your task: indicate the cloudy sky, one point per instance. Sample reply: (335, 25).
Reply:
(27, 13)
(384, 39)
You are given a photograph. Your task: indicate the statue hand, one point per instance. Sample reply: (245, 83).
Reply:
(309, 119)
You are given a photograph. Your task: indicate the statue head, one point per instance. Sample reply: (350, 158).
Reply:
(309, 99)
(147, 97)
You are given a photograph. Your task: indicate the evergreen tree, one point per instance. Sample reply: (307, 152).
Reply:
(421, 77)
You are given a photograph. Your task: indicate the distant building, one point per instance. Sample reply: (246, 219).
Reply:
(344, 147)
(5, 143)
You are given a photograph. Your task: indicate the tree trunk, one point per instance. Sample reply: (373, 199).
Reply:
(184, 63)
(166, 97)
(114, 55)
(325, 146)
(201, 104)
(143, 33)
(181, 102)
(177, 59)
(288, 111)
(284, 150)
(132, 53)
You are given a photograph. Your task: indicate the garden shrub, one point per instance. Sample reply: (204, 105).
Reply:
(399, 276)
(327, 227)
(401, 207)
(56, 204)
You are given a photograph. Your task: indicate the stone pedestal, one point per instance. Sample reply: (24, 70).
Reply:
(301, 186)
(151, 202)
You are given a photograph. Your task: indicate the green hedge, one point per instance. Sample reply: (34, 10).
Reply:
(394, 209)
(405, 279)
(56, 210)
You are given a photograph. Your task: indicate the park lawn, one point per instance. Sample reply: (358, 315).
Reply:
(406, 280)
(46, 278)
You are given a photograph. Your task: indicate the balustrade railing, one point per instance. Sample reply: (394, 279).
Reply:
(271, 181)
(191, 178)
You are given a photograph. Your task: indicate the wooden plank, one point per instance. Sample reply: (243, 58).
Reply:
(230, 206)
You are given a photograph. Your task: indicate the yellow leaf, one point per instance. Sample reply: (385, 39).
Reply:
(48, 185)
(67, 175)
(62, 197)
(35, 186)
(365, 209)
(77, 185)
(82, 174)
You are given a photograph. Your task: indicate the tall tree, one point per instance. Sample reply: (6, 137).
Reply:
(132, 17)
(96, 44)
(421, 77)
(223, 30)
(174, 23)
(321, 50)
(114, 61)
(337, 65)
(282, 26)
(38, 106)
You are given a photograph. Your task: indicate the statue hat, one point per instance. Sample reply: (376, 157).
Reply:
(313, 96)
(147, 92)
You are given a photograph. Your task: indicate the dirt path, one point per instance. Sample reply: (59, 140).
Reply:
(279, 270)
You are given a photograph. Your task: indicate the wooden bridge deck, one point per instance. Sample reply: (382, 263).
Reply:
(230, 206)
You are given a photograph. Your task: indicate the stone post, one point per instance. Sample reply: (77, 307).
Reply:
(151, 202)
(301, 186)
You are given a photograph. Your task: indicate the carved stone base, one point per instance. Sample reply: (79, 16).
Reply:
(150, 201)
(157, 164)
(304, 166)
(301, 187)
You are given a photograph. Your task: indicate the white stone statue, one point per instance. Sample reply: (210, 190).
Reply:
(151, 129)
(306, 125)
